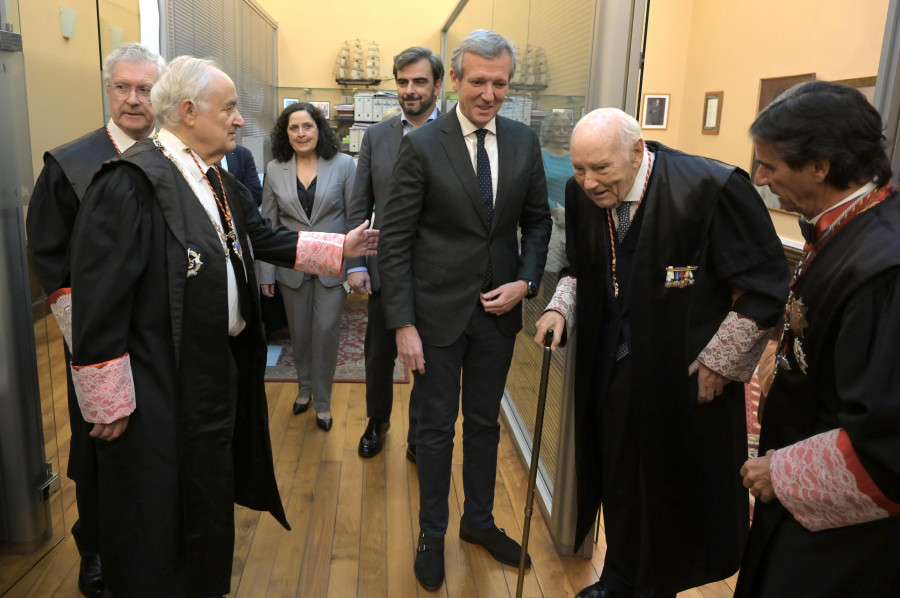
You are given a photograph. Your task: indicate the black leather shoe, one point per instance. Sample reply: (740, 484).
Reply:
(429, 565)
(300, 407)
(372, 440)
(324, 422)
(502, 547)
(598, 590)
(90, 577)
(411, 453)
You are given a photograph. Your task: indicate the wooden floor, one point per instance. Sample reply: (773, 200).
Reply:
(354, 520)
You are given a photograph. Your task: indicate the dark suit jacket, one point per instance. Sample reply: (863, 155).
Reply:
(242, 166)
(435, 240)
(372, 184)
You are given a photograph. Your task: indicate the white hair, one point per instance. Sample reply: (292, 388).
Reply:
(132, 53)
(186, 78)
(625, 125)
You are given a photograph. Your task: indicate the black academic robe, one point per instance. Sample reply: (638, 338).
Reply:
(198, 440)
(51, 217)
(852, 296)
(696, 212)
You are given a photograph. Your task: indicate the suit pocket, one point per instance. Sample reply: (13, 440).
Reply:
(429, 273)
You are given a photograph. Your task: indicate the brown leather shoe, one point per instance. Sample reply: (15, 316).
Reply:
(372, 440)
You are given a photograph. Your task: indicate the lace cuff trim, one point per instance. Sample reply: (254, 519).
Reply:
(105, 391)
(821, 481)
(735, 349)
(320, 253)
(563, 299)
(61, 306)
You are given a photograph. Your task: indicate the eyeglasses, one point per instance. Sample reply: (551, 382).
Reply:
(120, 91)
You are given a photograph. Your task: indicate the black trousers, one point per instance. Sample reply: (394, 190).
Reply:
(83, 471)
(381, 353)
(482, 356)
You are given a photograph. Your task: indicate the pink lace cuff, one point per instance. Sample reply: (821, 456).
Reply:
(735, 349)
(105, 391)
(563, 299)
(61, 306)
(320, 253)
(822, 483)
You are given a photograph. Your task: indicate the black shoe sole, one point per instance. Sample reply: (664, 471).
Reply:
(428, 587)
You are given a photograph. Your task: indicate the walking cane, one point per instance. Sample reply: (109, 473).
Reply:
(535, 454)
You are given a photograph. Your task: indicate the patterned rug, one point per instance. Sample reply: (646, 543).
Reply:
(351, 363)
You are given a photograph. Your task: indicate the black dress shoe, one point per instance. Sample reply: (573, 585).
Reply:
(324, 422)
(429, 565)
(411, 453)
(90, 577)
(372, 440)
(598, 590)
(502, 547)
(300, 407)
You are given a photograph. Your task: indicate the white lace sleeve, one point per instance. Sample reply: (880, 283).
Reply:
(735, 349)
(320, 253)
(105, 391)
(61, 306)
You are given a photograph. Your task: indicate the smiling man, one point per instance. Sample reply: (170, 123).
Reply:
(129, 73)
(453, 276)
(420, 75)
(168, 355)
(675, 277)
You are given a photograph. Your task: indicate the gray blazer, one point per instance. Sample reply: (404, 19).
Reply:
(281, 205)
(377, 155)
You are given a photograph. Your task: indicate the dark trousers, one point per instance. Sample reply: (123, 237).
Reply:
(83, 471)
(483, 355)
(381, 353)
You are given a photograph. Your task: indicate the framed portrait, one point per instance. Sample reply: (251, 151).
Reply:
(288, 101)
(324, 108)
(712, 112)
(864, 84)
(655, 111)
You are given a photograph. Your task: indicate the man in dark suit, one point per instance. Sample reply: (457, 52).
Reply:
(419, 74)
(240, 163)
(454, 275)
(129, 73)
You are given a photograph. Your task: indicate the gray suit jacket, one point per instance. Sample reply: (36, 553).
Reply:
(377, 156)
(435, 240)
(281, 205)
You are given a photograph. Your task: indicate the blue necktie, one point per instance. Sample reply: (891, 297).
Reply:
(483, 174)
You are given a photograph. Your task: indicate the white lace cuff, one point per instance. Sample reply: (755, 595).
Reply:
(821, 481)
(563, 300)
(320, 253)
(735, 349)
(105, 391)
(61, 306)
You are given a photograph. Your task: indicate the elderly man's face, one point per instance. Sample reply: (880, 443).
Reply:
(215, 126)
(129, 83)
(602, 169)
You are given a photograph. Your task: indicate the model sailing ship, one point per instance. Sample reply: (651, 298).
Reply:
(531, 75)
(355, 68)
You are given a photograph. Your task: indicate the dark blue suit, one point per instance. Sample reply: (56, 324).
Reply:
(242, 166)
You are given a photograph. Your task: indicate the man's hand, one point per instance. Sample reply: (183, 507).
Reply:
(109, 431)
(409, 348)
(267, 289)
(709, 383)
(504, 298)
(361, 241)
(550, 320)
(360, 283)
(758, 477)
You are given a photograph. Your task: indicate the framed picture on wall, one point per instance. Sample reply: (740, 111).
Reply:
(288, 101)
(324, 108)
(864, 84)
(712, 112)
(655, 111)
(769, 89)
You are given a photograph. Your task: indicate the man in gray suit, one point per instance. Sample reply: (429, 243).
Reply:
(419, 74)
(454, 276)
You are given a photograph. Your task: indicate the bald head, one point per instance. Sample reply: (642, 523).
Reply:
(606, 151)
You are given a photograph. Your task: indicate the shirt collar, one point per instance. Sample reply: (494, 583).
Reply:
(468, 127)
(122, 139)
(637, 189)
(182, 153)
(858, 193)
(408, 125)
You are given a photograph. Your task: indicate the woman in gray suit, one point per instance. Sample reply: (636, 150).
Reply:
(307, 187)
